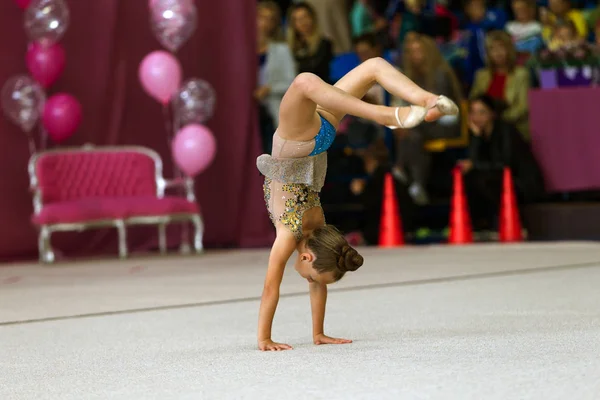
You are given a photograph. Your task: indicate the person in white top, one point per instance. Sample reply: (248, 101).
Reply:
(525, 30)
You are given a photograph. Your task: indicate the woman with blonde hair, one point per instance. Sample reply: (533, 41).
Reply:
(276, 69)
(312, 51)
(424, 64)
(504, 80)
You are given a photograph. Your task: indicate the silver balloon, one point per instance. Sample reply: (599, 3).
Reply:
(173, 21)
(194, 102)
(46, 21)
(23, 101)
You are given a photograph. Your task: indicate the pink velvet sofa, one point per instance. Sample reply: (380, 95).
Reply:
(94, 187)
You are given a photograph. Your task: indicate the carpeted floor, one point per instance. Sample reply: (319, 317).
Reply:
(477, 322)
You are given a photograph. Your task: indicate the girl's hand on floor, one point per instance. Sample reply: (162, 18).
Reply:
(322, 339)
(269, 345)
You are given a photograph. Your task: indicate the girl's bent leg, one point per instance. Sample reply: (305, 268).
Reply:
(299, 121)
(376, 70)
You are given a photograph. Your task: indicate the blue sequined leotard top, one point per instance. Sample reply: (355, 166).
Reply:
(324, 138)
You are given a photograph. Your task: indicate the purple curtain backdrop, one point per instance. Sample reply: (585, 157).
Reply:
(105, 43)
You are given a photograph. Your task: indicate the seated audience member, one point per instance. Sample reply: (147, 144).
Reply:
(525, 30)
(364, 18)
(495, 144)
(423, 63)
(411, 19)
(312, 51)
(361, 19)
(369, 192)
(276, 69)
(366, 47)
(332, 18)
(504, 80)
(562, 10)
(479, 22)
(564, 36)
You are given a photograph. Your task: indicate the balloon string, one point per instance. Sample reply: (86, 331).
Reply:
(167, 119)
(172, 126)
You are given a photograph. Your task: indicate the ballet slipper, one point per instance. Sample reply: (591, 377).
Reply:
(446, 106)
(415, 116)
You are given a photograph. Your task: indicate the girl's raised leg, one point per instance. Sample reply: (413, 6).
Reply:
(376, 70)
(299, 121)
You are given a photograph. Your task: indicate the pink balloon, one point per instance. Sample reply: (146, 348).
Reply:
(23, 4)
(45, 63)
(160, 74)
(194, 149)
(62, 116)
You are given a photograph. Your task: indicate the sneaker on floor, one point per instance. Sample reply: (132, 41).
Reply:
(399, 174)
(418, 194)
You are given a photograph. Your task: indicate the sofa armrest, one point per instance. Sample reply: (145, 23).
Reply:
(186, 183)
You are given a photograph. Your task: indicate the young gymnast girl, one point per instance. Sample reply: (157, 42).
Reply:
(309, 115)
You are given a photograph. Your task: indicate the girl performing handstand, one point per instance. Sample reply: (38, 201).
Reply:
(309, 115)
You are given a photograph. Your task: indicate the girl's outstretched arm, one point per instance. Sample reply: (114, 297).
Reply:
(318, 301)
(282, 249)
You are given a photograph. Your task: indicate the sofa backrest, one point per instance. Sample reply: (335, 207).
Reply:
(72, 174)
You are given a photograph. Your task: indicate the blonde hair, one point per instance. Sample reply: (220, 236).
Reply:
(269, 5)
(293, 38)
(434, 62)
(332, 252)
(505, 40)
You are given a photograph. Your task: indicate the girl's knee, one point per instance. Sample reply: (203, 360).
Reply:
(376, 63)
(306, 82)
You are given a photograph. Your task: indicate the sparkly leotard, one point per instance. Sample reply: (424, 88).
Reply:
(294, 175)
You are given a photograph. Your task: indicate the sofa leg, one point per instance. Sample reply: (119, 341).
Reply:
(184, 247)
(45, 246)
(122, 230)
(162, 238)
(198, 233)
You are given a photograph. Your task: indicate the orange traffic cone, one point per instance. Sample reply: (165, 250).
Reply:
(390, 226)
(510, 221)
(461, 231)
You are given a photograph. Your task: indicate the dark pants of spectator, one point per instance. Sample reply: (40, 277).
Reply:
(412, 156)
(372, 199)
(484, 192)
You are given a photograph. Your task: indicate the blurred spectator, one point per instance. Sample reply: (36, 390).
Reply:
(312, 51)
(494, 145)
(525, 30)
(361, 19)
(365, 18)
(333, 18)
(564, 36)
(561, 10)
(480, 20)
(361, 130)
(424, 64)
(441, 10)
(410, 19)
(502, 79)
(366, 47)
(276, 69)
(369, 192)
